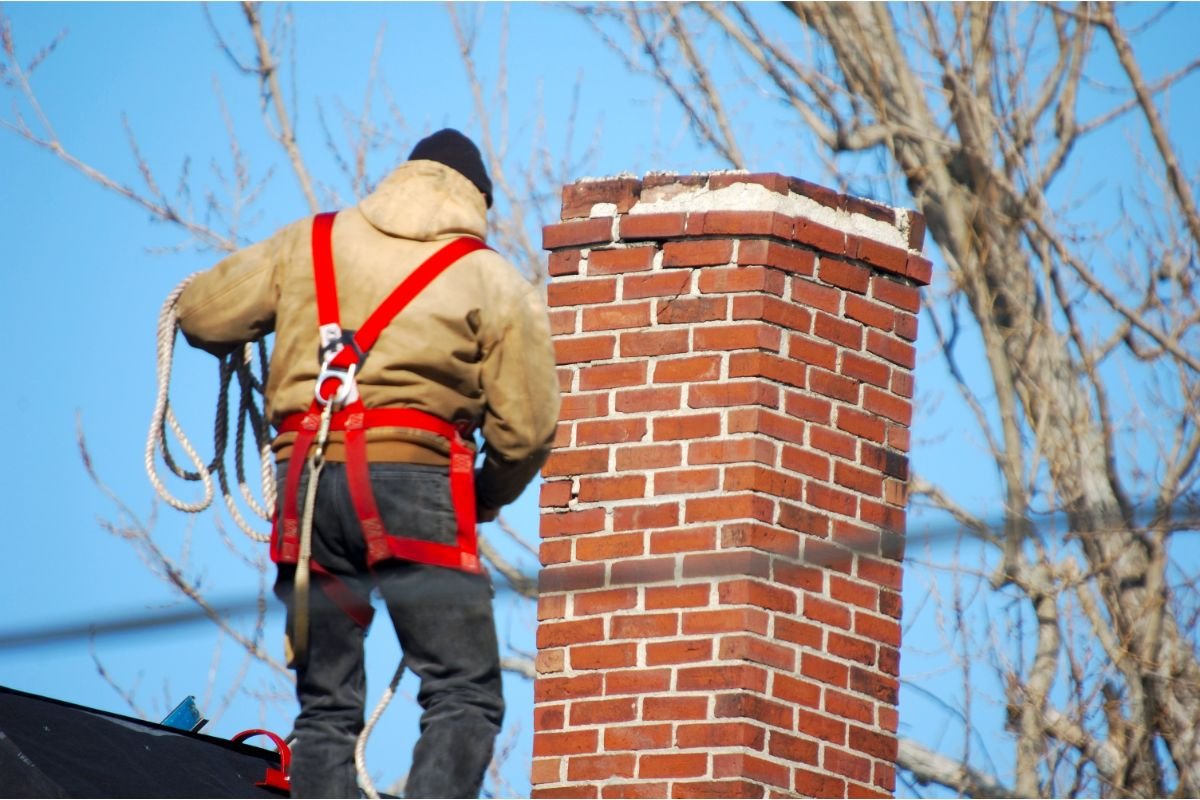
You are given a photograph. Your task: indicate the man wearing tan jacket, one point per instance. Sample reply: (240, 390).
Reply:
(471, 351)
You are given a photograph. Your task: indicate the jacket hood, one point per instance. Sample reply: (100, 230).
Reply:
(426, 200)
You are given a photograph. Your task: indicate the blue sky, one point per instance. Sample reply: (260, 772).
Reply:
(82, 283)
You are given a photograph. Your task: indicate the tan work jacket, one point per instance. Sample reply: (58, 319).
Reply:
(474, 345)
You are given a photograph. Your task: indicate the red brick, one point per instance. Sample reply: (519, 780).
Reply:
(655, 343)
(737, 562)
(718, 790)
(844, 705)
(741, 704)
(603, 656)
(891, 604)
(563, 321)
(608, 546)
(879, 629)
(820, 726)
(616, 317)
(736, 223)
(830, 499)
(693, 426)
(814, 295)
(690, 596)
(761, 479)
(610, 431)
(724, 676)
(757, 364)
(555, 634)
(859, 480)
(889, 718)
(563, 262)
(651, 226)
(749, 648)
(571, 522)
(555, 494)
(864, 369)
(576, 462)
(720, 734)
(839, 331)
(852, 592)
(885, 257)
(898, 438)
(599, 768)
(879, 745)
(548, 718)
(607, 376)
(643, 570)
(893, 350)
(805, 406)
(725, 621)
(546, 743)
(730, 451)
(656, 284)
(729, 507)
(808, 577)
(916, 230)
(888, 290)
(919, 269)
(556, 689)
(679, 652)
(612, 262)
(579, 197)
(817, 784)
(683, 540)
(697, 253)
(643, 626)
(885, 778)
(808, 350)
(906, 326)
(732, 393)
(844, 275)
(884, 688)
(850, 648)
(637, 737)
(637, 681)
(825, 383)
(651, 456)
(635, 790)
(773, 310)
(795, 690)
(884, 573)
(571, 578)
(672, 765)
(852, 766)
(774, 254)
(691, 481)
(555, 551)
(690, 310)
(773, 181)
(820, 236)
(747, 336)
(675, 708)
(585, 604)
(824, 670)
(643, 517)
(562, 792)
(792, 748)
(653, 399)
(715, 280)
(755, 593)
(805, 462)
(887, 405)
(761, 537)
(577, 232)
(621, 487)
(730, 765)
(868, 313)
(800, 633)
(583, 406)
(826, 555)
(838, 444)
(581, 292)
(696, 368)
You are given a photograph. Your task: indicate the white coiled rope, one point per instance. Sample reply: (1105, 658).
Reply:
(240, 363)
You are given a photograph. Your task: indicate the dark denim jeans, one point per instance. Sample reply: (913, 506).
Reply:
(444, 621)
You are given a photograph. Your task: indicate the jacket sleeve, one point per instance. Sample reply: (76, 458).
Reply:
(520, 385)
(234, 302)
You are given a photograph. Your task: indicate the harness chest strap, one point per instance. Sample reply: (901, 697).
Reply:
(355, 419)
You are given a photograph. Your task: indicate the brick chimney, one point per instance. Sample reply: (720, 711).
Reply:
(722, 517)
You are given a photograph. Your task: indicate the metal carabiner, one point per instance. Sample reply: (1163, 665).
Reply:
(347, 390)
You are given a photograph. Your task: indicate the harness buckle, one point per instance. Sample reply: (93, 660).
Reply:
(347, 387)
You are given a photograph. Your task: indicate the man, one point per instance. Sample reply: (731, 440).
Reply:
(470, 350)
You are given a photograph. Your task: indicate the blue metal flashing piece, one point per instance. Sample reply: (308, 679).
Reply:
(186, 716)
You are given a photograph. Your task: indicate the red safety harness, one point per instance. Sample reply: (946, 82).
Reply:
(342, 353)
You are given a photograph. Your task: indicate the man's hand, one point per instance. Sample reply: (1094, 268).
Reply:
(483, 514)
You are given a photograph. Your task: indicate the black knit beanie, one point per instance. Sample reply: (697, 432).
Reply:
(456, 151)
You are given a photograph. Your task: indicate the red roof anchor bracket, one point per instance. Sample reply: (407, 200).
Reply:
(275, 778)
